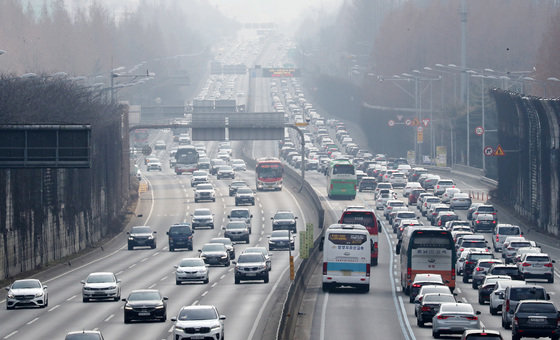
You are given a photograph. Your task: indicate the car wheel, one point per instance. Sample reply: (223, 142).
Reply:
(171, 248)
(474, 285)
(85, 299)
(419, 322)
(130, 247)
(206, 281)
(253, 203)
(480, 301)
(164, 318)
(435, 334)
(213, 200)
(153, 246)
(8, 307)
(118, 298)
(195, 200)
(465, 279)
(247, 240)
(237, 281)
(212, 226)
(551, 279)
(190, 248)
(236, 203)
(326, 287)
(515, 336)
(227, 264)
(177, 282)
(493, 311)
(266, 278)
(126, 320)
(504, 324)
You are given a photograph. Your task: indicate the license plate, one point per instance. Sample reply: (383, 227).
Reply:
(343, 190)
(537, 320)
(143, 314)
(346, 273)
(251, 274)
(197, 337)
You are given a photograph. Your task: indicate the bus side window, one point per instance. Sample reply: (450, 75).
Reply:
(321, 244)
(398, 247)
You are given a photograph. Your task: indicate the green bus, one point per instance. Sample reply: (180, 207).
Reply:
(341, 179)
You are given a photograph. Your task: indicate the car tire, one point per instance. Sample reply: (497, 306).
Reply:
(266, 278)
(505, 325)
(213, 200)
(493, 311)
(465, 279)
(551, 279)
(153, 246)
(227, 263)
(480, 301)
(237, 281)
(84, 299)
(474, 285)
(126, 320)
(419, 322)
(247, 240)
(130, 247)
(206, 281)
(190, 248)
(435, 334)
(118, 298)
(212, 226)
(515, 336)
(253, 203)
(326, 287)
(236, 203)
(171, 248)
(195, 200)
(177, 282)
(8, 307)
(374, 262)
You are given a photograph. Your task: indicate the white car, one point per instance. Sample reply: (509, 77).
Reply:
(153, 166)
(101, 285)
(27, 293)
(191, 269)
(238, 165)
(409, 187)
(199, 176)
(204, 192)
(448, 194)
(460, 200)
(198, 322)
(454, 318)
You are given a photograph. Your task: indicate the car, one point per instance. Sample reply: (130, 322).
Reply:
(513, 295)
(471, 241)
(427, 203)
(238, 165)
(215, 254)
(409, 187)
(241, 214)
(284, 220)
(367, 184)
(445, 216)
(198, 322)
(390, 205)
(145, 304)
(473, 255)
(485, 209)
(180, 236)
(429, 306)
(263, 251)
(381, 201)
(233, 186)
(142, 236)
(281, 239)
(202, 217)
(434, 211)
(244, 195)
(27, 293)
(525, 250)
(204, 192)
(226, 241)
(154, 166)
(237, 231)
(454, 318)
(191, 269)
(160, 145)
(429, 182)
(536, 265)
(480, 270)
(484, 222)
(481, 334)
(414, 195)
(101, 285)
(535, 318)
(149, 160)
(423, 280)
(460, 200)
(84, 335)
(398, 180)
(405, 223)
(472, 209)
(511, 244)
(458, 223)
(215, 163)
(488, 285)
(429, 289)
(502, 231)
(497, 295)
(505, 269)
(225, 171)
(402, 215)
(199, 176)
(442, 184)
(448, 194)
(251, 266)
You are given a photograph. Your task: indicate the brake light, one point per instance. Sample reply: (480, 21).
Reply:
(368, 266)
(516, 320)
(469, 262)
(549, 265)
(439, 223)
(401, 228)
(494, 222)
(324, 268)
(416, 285)
(510, 248)
(442, 317)
(525, 264)
(478, 269)
(472, 318)
(331, 186)
(461, 249)
(507, 305)
(426, 309)
(497, 238)
(438, 186)
(408, 273)
(477, 222)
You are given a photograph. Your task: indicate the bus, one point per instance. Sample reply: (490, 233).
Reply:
(186, 159)
(269, 172)
(140, 138)
(346, 257)
(367, 218)
(425, 250)
(341, 179)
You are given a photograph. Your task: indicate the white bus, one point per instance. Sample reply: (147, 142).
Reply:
(346, 257)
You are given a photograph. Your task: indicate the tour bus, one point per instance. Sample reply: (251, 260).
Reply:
(346, 257)
(269, 172)
(367, 218)
(341, 179)
(425, 250)
(186, 159)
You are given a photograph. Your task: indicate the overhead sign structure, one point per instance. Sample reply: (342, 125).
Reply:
(239, 125)
(479, 130)
(499, 151)
(280, 72)
(488, 151)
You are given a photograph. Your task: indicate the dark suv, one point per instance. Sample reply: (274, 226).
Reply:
(141, 236)
(180, 236)
(535, 318)
(470, 263)
(284, 220)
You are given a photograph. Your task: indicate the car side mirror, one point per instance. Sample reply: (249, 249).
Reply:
(222, 317)
(118, 280)
(174, 319)
(228, 216)
(478, 312)
(223, 228)
(154, 232)
(200, 250)
(251, 216)
(398, 247)
(83, 282)
(165, 298)
(272, 218)
(167, 233)
(553, 261)
(176, 266)
(123, 299)
(45, 287)
(128, 232)
(547, 296)
(234, 262)
(295, 218)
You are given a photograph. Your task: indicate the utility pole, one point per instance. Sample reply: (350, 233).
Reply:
(463, 14)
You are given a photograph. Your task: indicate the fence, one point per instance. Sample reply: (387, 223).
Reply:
(529, 172)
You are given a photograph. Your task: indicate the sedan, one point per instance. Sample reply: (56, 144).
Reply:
(454, 318)
(145, 304)
(263, 251)
(226, 242)
(215, 253)
(101, 286)
(191, 269)
(234, 186)
(198, 322)
(430, 306)
(237, 231)
(251, 266)
(27, 293)
(281, 239)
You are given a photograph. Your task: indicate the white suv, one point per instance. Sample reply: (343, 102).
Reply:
(198, 322)
(536, 265)
(441, 185)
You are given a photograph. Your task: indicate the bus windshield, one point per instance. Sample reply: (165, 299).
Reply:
(269, 170)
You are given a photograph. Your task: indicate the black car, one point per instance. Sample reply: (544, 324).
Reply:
(244, 195)
(180, 236)
(284, 220)
(251, 266)
(141, 236)
(429, 306)
(510, 270)
(145, 304)
(367, 183)
(535, 318)
(470, 263)
(215, 253)
(234, 186)
(281, 239)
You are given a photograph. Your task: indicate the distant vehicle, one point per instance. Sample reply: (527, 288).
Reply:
(198, 322)
(454, 318)
(140, 138)
(225, 171)
(141, 236)
(101, 285)
(160, 145)
(251, 266)
(238, 165)
(27, 293)
(204, 192)
(526, 314)
(260, 250)
(233, 186)
(244, 196)
(281, 239)
(215, 253)
(191, 269)
(186, 159)
(154, 166)
(202, 217)
(341, 180)
(84, 335)
(284, 220)
(241, 214)
(180, 236)
(269, 173)
(237, 231)
(145, 304)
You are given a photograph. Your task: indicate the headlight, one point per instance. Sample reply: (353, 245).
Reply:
(179, 328)
(112, 287)
(130, 238)
(160, 307)
(151, 237)
(262, 267)
(215, 327)
(10, 295)
(224, 257)
(127, 307)
(202, 256)
(38, 294)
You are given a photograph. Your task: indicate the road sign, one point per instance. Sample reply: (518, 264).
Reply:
(146, 150)
(479, 130)
(419, 129)
(426, 121)
(301, 124)
(420, 137)
(488, 151)
(399, 117)
(408, 122)
(415, 122)
(499, 151)
(391, 122)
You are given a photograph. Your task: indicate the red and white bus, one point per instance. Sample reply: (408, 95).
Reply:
(426, 250)
(367, 218)
(269, 172)
(140, 138)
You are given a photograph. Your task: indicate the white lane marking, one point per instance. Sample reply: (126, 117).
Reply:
(170, 330)
(152, 286)
(458, 290)
(119, 273)
(260, 239)
(71, 298)
(214, 284)
(222, 277)
(109, 317)
(163, 278)
(132, 266)
(405, 317)
(32, 321)
(464, 299)
(144, 259)
(55, 307)
(155, 254)
(10, 335)
(324, 316)
(195, 303)
(204, 294)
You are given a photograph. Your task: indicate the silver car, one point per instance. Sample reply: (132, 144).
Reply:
(102, 285)
(454, 318)
(536, 265)
(198, 322)
(27, 293)
(191, 269)
(496, 297)
(263, 251)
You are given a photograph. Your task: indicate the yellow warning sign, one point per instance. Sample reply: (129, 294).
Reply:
(420, 137)
(499, 151)
(415, 122)
(142, 187)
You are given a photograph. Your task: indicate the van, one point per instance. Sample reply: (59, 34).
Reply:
(180, 236)
(502, 231)
(512, 296)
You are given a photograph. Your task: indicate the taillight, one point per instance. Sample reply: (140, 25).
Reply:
(478, 269)
(324, 268)
(408, 273)
(507, 305)
(368, 266)
(439, 223)
(472, 318)
(426, 309)
(442, 317)
(516, 320)
(331, 186)
(438, 186)
(416, 285)
(477, 222)
(510, 248)
(461, 249)
(525, 264)
(549, 265)
(494, 222)
(497, 238)
(469, 262)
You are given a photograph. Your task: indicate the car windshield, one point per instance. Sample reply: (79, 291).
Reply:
(238, 184)
(247, 258)
(484, 337)
(456, 308)
(26, 284)
(435, 289)
(191, 263)
(484, 256)
(179, 230)
(141, 230)
(505, 271)
(197, 314)
(529, 307)
(199, 173)
(239, 213)
(235, 225)
(397, 204)
(537, 259)
(226, 168)
(473, 244)
(430, 298)
(527, 293)
(214, 247)
(255, 250)
(284, 216)
(407, 215)
(244, 191)
(485, 209)
(204, 187)
(202, 212)
(141, 296)
(280, 233)
(508, 231)
(100, 278)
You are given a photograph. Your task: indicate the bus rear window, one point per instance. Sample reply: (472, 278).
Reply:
(347, 239)
(429, 240)
(343, 169)
(365, 219)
